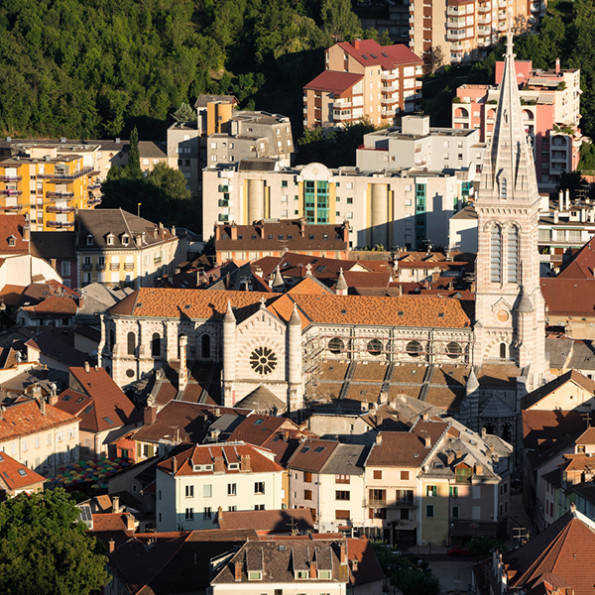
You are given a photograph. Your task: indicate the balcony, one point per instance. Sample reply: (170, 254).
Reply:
(61, 224)
(483, 8)
(457, 34)
(129, 266)
(54, 209)
(484, 20)
(101, 266)
(87, 171)
(58, 195)
(11, 178)
(11, 192)
(87, 266)
(157, 260)
(12, 208)
(94, 201)
(114, 266)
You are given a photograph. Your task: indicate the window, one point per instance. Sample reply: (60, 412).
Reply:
(207, 491)
(495, 254)
(205, 346)
(206, 513)
(307, 477)
(377, 496)
(463, 474)
(110, 240)
(302, 574)
(453, 491)
(342, 478)
(431, 491)
(414, 348)
(324, 574)
(307, 494)
(232, 508)
(455, 512)
(404, 495)
(512, 242)
(430, 510)
(374, 347)
(254, 575)
(341, 495)
(156, 345)
(231, 489)
(336, 345)
(131, 341)
(259, 487)
(89, 240)
(190, 514)
(342, 515)
(259, 507)
(404, 475)
(377, 474)
(65, 268)
(189, 491)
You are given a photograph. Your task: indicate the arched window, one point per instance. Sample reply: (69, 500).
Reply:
(512, 264)
(156, 345)
(453, 349)
(131, 341)
(375, 347)
(503, 350)
(496, 254)
(336, 345)
(205, 346)
(414, 348)
(112, 339)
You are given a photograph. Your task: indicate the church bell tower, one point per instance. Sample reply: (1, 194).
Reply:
(509, 306)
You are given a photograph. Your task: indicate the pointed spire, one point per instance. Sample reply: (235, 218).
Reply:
(295, 317)
(508, 168)
(472, 383)
(341, 287)
(525, 305)
(278, 281)
(229, 316)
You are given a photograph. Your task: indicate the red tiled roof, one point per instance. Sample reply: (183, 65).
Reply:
(15, 475)
(207, 453)
(334, 81)
(398, 449)
(312, 454)
(112, 525)
(268, 521)
(257, 429)
(52, 306)
(560, 296)
(387, 56)
(582, 265)
(13, 225)
(368, 569)
(26, 418)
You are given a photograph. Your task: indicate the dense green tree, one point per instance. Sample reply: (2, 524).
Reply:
(133, 168)
(185, 113)
(170, 181)
(45, 550)
(339, 20)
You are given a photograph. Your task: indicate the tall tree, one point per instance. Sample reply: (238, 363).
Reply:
(45, 550)
(339, 20)
(133, 168)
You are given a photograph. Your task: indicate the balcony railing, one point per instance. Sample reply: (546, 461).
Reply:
(11, 178)
(11, 192)
(54, 209)
(114, 266)
(53, 194)
(12, 207)
(93, 201)
(129, 266)
(87, 171)
(86, 266)
(61, 224)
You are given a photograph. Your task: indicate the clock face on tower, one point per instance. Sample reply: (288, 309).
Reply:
(263, 360)
(502, 315)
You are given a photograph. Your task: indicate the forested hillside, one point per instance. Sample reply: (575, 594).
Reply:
(95, 68)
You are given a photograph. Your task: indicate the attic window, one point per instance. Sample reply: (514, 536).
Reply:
(87, 409)
(108, 420)
(385, 54)
(258, 422)
(311, 236)
(254, 575)
(79, 400)
(324, 574)
(12, 241)
(270, 236)
(373, 56)
(233, 466)
(302, 574)
(319, 449)
(22, 472)
(89, 240)
(110, 240)
(187, 306)
(289, 237)
(66, 398)
(125, 240)
(254, 236)
(320, 268)
(325, 236)
(440, 314)
(343, 311)
(305, 449)
(401, 313)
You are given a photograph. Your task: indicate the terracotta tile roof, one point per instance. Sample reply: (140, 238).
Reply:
(206, 455)
(545, 429)
(413, 311)
(445, 398)
(268, 521)
(370, 53)
(12, 226)
(578, 462)
(364, 279)
(334, 81)
(371, 371)
(331, 370)
(52, 307)
(257, 429)
(106, 406)
(582, 266)
(363, 392)
(312, 454)
(398, 449)
(111, 525)
(543, 391)
(498, 374)
(26, 418)
(15, 475)
(284, 443)
(560, 296)
(191, 303)
(587, 437)
(367, 569)
(564, 549)
(295, 265)
(184, 421)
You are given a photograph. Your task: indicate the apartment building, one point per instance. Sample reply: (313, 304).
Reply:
(48, 187)
(222, 134)
(416, 145)
(406, 207)
(118, 248)
(192, 485)
(462, 30)
(550, 105)
(363, 80)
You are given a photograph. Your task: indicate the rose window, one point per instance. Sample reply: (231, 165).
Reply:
(263, 360)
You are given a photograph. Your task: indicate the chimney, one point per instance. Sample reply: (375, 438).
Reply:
(115, 504)
(313, 573)
(87, 367)
(357, 43)
(354, 565)
(567, 196)
(233, 231)
(155, 232)
(343, 553)
(450, 457)
(2, 410)
(149, 415)
(428, 442)
(459, 453)
(561, 200)
(238, 571)
(174, 465)
(183, 371)
(245, 463)
(302, 226)
(219, 465)
(42, 406)
(129, 522)
(173, 231)
(484, 433)
(556, 217)
(557, 65)
(53, 399)
(478, 469)
(379, 439)
(36, 391)
(26, 232)
(112, 545)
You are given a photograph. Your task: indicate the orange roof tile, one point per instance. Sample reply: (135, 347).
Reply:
(26, 418)
(15, 475)
(13, 225)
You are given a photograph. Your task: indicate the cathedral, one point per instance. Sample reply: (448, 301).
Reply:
(278, 343)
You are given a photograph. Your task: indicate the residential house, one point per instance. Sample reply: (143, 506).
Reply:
(57, 249)
(363, 80)
(16, 478)
(193, 484)
(106, 413)
(39, 435)
(118, 248)
(293, 521)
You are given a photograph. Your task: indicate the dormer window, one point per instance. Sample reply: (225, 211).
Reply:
(12, 241)
(110, 239)
(125, 239)
(233, 466)
(301, 574)
(90, 240)
(324, 574)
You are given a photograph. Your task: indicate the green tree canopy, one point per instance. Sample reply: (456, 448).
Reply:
(133, 168)
(45, 550)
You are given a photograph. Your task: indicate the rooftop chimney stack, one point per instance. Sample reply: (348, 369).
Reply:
(87, 367)
(183, 371)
